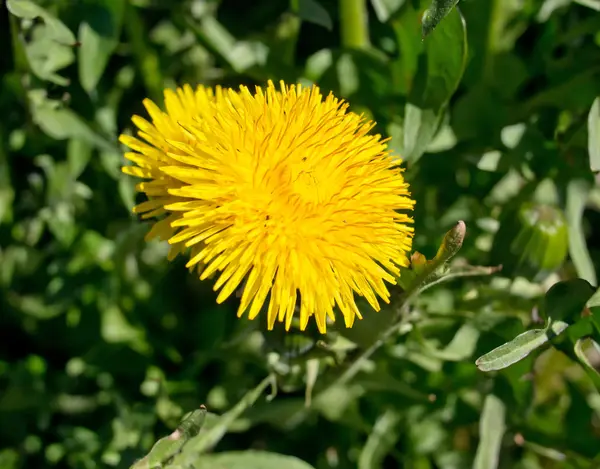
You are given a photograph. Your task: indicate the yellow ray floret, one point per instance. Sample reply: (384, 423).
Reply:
(283, 192)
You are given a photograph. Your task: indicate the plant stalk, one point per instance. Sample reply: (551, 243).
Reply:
(354, 24)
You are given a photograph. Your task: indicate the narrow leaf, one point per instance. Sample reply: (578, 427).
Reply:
(420, 126)
(99, 35)
(200, 443)
(381, 440)
(577, 195)
(591, 371)
(165, 448)
(518, 348)
(593, 124)
(491, 430)
(250, 460)
(438, 10)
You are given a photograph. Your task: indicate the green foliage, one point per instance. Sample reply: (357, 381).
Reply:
(105, 347)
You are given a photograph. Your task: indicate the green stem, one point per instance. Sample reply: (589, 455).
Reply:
(357, 364)
(199, 444)
(165, 448)
(451, 244)
(494, 31)
(354, 24)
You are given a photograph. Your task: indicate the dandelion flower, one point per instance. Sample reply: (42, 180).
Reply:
(282, 192)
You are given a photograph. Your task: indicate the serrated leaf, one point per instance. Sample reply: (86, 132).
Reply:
(99, 35)
(250, 460)
(438, 10)
(593, 127)
(29, 10)
(491, 430)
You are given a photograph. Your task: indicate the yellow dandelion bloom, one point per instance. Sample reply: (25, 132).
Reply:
(283, 192)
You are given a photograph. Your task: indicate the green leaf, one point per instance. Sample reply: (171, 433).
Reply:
(239, 55)
(594, 305)
(518, 348)
(381, 440)
(79, 153)
(35, 306)
(250, 460)
(420, 126)
(45, 58)
(165, 448)
(26, 9)
(593, 125)
(563, 305)
(443, 64)
(593, 4)
(384, 9)
(590, 370)
(62, 123)
(313, 12)
(99, 35)
(491, 430)
(565, 300)
(438, 10)
(115, 328)
(577, 195)
(202, 442)
(460, 347)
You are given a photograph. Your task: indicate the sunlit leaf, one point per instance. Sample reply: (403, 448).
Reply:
(383, 437)
(593, 127)
(420, 126)
(386, 8)
(491, 430)
(438, 10)
(29, 10)
(98, 34)
(518, 348)
(577, 194)
(250, 460)
(563, 305)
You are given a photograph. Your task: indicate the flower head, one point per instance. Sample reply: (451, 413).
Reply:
(282, 191)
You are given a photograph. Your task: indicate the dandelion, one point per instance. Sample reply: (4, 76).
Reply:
(282, 192)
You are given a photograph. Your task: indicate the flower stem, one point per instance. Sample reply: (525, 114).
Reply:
(354, 24)
(202, 442)
(451, 244)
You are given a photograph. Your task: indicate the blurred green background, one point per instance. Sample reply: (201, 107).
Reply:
(104, 345)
